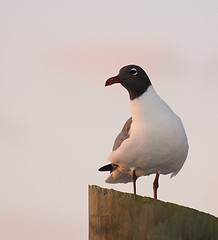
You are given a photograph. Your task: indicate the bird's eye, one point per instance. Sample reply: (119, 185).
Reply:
(133, 71)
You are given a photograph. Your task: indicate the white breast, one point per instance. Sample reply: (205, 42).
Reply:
(157, 142)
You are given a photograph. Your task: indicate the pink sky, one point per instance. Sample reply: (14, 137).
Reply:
(58, 122)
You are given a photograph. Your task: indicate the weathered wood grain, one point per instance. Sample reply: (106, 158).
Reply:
(117, 215)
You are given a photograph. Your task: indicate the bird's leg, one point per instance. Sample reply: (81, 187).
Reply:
(155, 185)
(134, 177)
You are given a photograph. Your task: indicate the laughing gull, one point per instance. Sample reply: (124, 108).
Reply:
(152, 141)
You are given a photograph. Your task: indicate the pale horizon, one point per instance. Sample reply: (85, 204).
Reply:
(58, 121)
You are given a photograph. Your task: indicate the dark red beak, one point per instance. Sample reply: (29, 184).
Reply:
(113, 80)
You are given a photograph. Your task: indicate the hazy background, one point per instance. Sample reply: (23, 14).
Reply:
(58, 122)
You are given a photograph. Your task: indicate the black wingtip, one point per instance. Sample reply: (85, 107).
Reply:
(108, 167)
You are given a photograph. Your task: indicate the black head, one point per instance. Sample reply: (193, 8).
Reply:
(133, 78)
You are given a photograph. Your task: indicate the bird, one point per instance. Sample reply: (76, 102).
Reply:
(152, 141)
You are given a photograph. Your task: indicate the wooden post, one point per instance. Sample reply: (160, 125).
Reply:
(123, 216)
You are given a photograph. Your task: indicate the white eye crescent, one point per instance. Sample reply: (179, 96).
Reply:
(133, 71)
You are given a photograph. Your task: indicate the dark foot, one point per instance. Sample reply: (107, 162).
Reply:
(134, 177)
(155, 185)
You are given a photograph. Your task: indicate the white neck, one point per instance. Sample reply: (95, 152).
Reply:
(149, 106)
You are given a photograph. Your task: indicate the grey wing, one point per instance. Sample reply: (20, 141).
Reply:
(123, 135)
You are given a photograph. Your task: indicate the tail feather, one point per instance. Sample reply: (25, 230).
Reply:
(110, 167)
(116, 175)
(119, 177)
